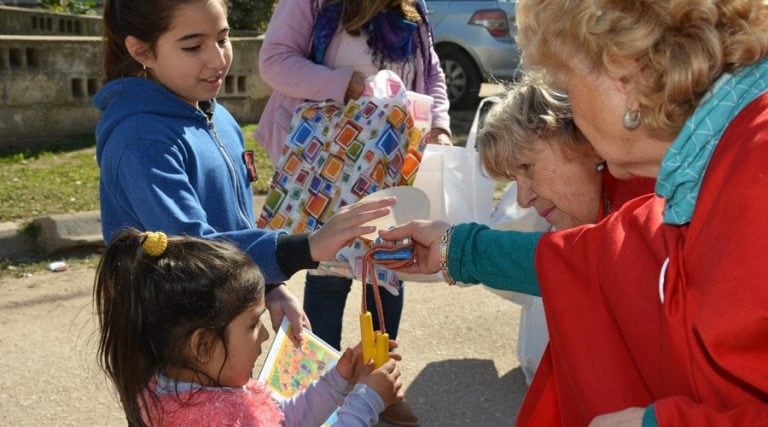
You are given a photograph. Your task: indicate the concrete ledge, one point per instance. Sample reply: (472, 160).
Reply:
(14, 243)
(62, 232)
(69, 231)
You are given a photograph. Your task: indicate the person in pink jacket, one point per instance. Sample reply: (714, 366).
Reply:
(286, 66)
(319, 50)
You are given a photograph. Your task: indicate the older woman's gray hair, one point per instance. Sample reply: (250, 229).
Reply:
(530, 111)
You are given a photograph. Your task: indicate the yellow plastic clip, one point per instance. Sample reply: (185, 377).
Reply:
(375, 344)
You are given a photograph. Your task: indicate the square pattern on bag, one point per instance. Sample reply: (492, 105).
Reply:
(334, 155)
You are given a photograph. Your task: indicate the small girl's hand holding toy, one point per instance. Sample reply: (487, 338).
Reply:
(385, 380)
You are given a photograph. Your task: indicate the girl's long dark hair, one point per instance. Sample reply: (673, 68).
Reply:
(146, 20)
(148, 307)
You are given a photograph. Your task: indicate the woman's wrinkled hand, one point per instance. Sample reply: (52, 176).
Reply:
(426, 237)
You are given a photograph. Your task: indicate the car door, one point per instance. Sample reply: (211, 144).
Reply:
(436, 9)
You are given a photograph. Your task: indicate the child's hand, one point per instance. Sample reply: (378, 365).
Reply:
(345, 225)
(385, 381)
(356, 86)
(351, 365)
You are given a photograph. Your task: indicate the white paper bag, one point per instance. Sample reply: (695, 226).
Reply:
(454, 181)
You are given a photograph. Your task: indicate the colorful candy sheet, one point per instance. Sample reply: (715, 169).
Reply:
(289, 369)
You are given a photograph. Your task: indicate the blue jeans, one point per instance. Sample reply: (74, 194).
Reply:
(324, 301)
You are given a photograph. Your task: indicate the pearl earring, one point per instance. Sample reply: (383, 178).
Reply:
(600, 166)
(631, 119)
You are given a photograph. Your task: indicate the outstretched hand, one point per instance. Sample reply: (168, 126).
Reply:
(426, 237)
(345, 225)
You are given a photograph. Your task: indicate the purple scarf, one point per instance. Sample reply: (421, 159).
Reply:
(391, 38)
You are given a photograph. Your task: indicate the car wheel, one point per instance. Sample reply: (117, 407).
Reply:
(462, 79)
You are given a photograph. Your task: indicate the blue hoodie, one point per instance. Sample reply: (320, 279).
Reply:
(168, 166)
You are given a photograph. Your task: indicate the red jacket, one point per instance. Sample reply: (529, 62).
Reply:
(700, 356)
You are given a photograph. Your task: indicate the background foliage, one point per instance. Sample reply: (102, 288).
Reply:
(68, 6)
(250, 14)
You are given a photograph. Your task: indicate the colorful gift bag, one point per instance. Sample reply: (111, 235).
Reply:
(334, 155)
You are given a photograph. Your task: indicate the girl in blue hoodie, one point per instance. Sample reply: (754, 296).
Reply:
(172, 158)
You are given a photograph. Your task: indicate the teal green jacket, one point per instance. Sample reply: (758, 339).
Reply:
(500, 259)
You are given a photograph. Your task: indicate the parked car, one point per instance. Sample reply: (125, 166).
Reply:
(475, 42)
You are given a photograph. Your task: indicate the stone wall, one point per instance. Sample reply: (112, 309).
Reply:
(16, 20)
(47, 83)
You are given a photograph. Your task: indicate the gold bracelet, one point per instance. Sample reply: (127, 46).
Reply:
(445, 240)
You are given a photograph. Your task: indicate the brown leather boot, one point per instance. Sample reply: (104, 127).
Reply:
(400, 414)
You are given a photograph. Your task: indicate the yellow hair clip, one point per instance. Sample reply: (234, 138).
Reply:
(154, 243)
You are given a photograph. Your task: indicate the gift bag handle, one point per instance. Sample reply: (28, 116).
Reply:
(472, 137)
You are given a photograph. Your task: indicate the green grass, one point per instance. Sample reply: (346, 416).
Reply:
(54, 178)
(264, 165)
(63, 177)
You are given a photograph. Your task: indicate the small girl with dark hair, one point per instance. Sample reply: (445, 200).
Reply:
(180, 331)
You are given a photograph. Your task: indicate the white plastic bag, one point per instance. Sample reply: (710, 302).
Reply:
(460, 192)
(454, 181)
(532, 336)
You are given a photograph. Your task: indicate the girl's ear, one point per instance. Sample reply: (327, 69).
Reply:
(201, 346)
(139, 51)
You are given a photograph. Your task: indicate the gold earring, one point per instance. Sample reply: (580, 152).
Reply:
(143, 72)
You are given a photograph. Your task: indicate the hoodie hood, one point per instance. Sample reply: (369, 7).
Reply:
(128, 97)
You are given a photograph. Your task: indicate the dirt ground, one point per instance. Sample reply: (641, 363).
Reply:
(458, 347)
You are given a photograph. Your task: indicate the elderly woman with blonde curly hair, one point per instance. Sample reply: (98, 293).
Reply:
(657, 315)
(529, 138)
